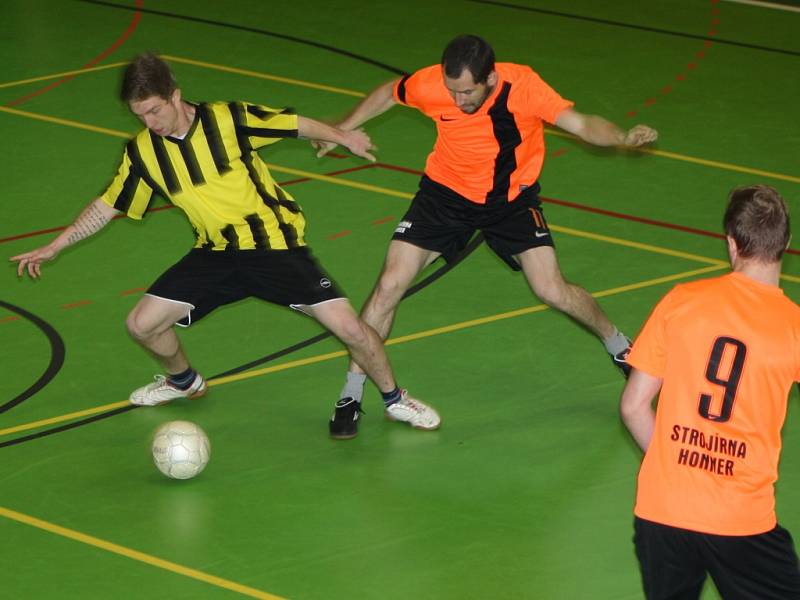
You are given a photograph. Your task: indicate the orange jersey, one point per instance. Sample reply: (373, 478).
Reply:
(728, 351)
(494, 153)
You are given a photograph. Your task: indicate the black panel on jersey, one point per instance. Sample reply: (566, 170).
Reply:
(508, 138)
(167, 170)
(214, 139)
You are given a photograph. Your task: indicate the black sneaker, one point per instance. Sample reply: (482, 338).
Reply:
(620, 360)
(344, 422)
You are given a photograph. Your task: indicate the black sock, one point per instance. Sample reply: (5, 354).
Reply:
(184, 380)
(390, 398)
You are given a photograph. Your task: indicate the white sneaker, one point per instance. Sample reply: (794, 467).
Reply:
(412, 411)
(161, 391)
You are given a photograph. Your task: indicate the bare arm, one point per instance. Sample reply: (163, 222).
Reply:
(356, 141)
(376, 103)
(92, 219)
(600, 132)
(636, 406)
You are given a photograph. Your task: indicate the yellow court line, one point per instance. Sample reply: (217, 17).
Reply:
(62, 418)
(274, 369)
(67, 122)
(542, 307)
(691, 159)
(258, 75)
(716, 264)
(64, 74)
(390, 342)
(338, 181)
(661, 153)
(640, 246)
(390, 192)
(721, 165)
(136, 555)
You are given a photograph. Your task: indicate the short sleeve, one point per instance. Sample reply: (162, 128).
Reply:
(415, 90)
(264, 125)
(797, 354)
(649, 352)
(128, 192)
(540, 99)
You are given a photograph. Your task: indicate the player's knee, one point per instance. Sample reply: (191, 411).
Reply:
(139, 327)
(135, 326)
(553, 293)
(353, 332)
(388, 291)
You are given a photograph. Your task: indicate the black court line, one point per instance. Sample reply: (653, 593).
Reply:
(638, 27)
(57, 352)
(266, 32)
(422, 284)
(68, 426)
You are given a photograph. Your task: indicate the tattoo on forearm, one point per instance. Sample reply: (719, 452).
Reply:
(90, 221)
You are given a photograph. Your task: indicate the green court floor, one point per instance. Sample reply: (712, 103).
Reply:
(526, 492)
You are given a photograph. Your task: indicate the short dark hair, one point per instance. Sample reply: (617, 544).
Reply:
(146, 76)
(468, 52)
(757, 219)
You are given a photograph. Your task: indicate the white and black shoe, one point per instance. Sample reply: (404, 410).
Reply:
(344, 422)
(620, 360)
(417, 414)
(161, 391)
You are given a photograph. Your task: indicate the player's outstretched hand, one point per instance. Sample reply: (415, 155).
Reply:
(358, 142)
(322, 147)
(640, 135)
(33, 260)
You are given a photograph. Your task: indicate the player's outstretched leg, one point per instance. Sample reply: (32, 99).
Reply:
(151, 325)
(366, 349)
(541, 269)
(403, 263)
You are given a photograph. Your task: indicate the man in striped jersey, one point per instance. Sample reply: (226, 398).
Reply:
(249, 233)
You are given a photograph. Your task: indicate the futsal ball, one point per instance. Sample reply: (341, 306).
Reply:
(180, 449)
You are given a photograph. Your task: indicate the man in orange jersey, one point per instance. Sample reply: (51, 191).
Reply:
(482, 175)
(723, 353)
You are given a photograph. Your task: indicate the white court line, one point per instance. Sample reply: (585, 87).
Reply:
(767, 5)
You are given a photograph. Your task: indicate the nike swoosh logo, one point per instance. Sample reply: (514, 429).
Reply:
(540, 234)
(441, 118)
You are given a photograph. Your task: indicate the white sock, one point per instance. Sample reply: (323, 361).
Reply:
(616, 343)
(354, 386)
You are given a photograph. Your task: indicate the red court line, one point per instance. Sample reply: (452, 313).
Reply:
(76, 304)
(397, 168)
(120, 40)
(699, 55)
(566, 203)
(601, 211)
(170, 206)
(133, 291)
(332, 174)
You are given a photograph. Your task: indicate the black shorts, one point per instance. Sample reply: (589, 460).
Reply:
(206, 279)
(442, 221)
(674, 563)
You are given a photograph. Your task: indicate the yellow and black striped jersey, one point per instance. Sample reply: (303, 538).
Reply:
(216, 177)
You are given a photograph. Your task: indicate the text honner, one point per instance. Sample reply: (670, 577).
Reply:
(709, 442)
